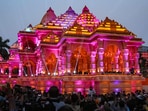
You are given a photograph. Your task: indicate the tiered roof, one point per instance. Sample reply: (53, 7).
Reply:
(84, 25)
(87, 19)
(111, 26)
(77, 30)
(51, 38)
(67, 19)
(70, 24)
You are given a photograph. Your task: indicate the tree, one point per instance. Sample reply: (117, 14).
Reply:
(4, 48)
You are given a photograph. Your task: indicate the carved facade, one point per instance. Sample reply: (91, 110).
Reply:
(74, 47)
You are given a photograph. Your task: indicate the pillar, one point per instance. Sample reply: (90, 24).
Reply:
(10, 71)
(2, 70)
(126, 62)
(68, 64)
(20, 44)
(59, 65)
(63, 65)
(93, 62)
(137, 68)
(100, 60)
(38, 67)
(20, 68)
(116, 62)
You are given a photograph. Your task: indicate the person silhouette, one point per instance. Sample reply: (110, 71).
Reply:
(91, 91)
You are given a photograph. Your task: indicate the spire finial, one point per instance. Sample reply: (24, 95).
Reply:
(50, 9)
(70, 11)
(85, 9)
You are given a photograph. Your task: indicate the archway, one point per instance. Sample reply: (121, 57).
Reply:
(29, 46)
(29, 68)
(113, 59)
(80, 61)
(15, 71)
(51, 62)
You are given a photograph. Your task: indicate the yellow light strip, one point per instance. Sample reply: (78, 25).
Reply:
(103, 28)
(120, 30)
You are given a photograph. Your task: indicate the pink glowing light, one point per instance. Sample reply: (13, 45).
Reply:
(9, 76)
(48, 83)
(117, 90)
(101, 64)
(14, 81)
(94, 71)
(79, 89)
(3, 81)
(47, 88)
(78, 82)
(101, 70)
(116, 82)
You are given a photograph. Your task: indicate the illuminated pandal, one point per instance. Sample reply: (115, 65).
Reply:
(83, 31)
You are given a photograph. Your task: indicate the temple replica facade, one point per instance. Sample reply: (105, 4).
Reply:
(74, 51)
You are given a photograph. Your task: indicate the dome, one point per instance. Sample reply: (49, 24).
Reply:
(48, 17)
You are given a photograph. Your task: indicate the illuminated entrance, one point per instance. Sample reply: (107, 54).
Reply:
(113, 59)
(80, 61)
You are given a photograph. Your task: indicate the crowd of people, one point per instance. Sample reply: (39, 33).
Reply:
(21, 98)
